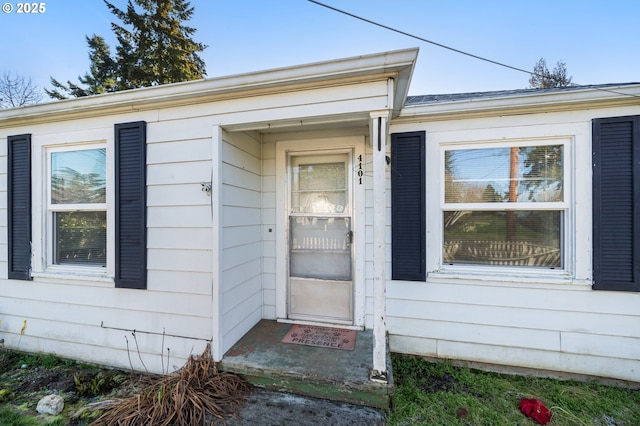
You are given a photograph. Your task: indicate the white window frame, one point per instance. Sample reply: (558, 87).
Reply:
(567, 220)
(43, 228)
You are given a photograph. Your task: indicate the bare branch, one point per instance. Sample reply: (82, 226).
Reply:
(18, 91)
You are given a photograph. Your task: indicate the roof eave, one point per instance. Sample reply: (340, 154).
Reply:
(528, 103)
(396, 64)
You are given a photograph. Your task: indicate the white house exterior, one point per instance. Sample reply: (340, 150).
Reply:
(542, 318)
(189, 212)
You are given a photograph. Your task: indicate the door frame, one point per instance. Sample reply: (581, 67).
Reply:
(356, 145)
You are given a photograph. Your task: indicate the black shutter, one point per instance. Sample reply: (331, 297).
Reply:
(19, 206)
(616, 197)
(408, 217)
(130, 193)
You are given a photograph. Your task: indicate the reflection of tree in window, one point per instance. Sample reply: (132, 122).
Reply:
(491, 195)
(71, 186)
(544, 175)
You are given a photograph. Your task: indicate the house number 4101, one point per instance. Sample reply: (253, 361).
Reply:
(359, 168)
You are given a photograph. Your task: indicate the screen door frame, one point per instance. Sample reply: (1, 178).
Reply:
(355, 145)
(320, 254)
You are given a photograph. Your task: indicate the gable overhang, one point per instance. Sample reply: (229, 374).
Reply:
(396, 66)
(524, 103)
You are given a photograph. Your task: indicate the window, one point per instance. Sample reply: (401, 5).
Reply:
(78, 209)
(504, 205)
(77, 206)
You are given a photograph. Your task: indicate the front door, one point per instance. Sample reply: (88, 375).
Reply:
(320, 238)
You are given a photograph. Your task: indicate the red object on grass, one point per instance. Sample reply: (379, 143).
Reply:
(535, 409)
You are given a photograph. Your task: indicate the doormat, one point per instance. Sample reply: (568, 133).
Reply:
(334, 338)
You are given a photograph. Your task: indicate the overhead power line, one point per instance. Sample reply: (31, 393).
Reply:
(386, 27)
(462, 52)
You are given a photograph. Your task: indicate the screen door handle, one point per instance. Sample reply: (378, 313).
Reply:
(349, 238)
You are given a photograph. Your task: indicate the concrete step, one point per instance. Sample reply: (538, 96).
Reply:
(333, 374)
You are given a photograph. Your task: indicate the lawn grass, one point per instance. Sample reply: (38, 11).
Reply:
(426, 393)
(14, 417)
(429, 393)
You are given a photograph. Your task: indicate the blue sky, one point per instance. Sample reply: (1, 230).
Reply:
(597, 39)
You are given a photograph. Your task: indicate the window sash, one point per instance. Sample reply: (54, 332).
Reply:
(74, 245)
(78, 176)
(58, 255)
(498, 176)
(497, 250)
(507, 238)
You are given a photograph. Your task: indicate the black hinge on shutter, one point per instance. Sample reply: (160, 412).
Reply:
(19, 206)
(616, 203)
(130, 205)
(408, 217)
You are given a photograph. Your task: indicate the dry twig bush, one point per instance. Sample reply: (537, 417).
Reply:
(190, 396)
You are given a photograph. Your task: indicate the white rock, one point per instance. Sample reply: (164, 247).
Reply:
(50, 404)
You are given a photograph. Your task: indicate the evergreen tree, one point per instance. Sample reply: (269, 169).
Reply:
(541, 78)
(158, 48)
(101, 77)
(153, 47)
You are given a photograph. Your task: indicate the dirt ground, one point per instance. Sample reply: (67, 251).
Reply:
(26, 378)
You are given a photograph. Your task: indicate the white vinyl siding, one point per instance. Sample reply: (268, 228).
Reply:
(240, 236)
(516, 325)
(269, 229)
(64, 313)
(544, 320)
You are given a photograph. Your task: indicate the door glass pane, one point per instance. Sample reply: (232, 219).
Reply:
(320, 247)
(78, 177)
(319, 188)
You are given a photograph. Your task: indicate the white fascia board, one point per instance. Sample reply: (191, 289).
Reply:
(396, 64)
(589, 97)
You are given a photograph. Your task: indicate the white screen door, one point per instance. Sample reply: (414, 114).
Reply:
(320, 239)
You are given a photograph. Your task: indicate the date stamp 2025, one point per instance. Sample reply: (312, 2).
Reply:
(24, 8)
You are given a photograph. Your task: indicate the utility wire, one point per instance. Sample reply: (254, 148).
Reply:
(462, 52)
(386, 27)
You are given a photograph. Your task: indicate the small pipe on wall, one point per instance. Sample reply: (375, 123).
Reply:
(155, 333)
